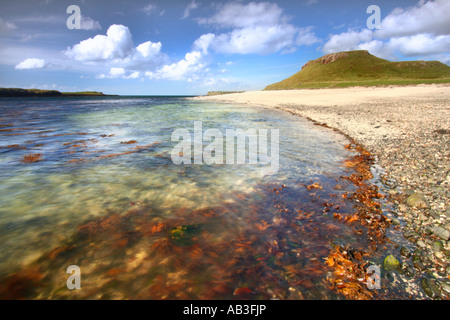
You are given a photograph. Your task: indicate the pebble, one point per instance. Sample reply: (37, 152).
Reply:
(439, 255)
(437, 246)
(421, 244)
(417, 200)
(440, 232)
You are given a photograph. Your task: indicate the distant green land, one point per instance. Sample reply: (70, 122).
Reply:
(360, 68)
(17, 92)
(216, 93)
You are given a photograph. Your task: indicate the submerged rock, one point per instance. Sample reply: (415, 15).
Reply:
(391, 263)
(183, 235)
(425, 284)
(405, 252)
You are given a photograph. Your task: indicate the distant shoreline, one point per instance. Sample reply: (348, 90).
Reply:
(23, 93)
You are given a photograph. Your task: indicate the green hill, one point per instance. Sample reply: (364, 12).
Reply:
(360, 68)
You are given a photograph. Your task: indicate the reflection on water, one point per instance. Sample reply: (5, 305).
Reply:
(90, 182)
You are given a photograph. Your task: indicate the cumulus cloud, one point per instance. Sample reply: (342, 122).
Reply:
(421, 44)
(182, 69)
(31, 63)
(419, 31)
(117, 44)
(347, 40)
(258, 39)
(427, 17)
(254, 28)
(117, 47)
(127, 61)
(87, 23)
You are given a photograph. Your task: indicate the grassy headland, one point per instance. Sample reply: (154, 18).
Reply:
(17, 92)
(360, 68)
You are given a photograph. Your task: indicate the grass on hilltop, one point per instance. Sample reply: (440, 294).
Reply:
(360, 68)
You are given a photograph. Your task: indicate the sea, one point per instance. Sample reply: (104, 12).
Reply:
(117, 187)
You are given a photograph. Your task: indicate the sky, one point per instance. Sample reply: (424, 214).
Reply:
(190, 47)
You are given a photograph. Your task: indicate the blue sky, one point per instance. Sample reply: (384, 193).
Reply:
(177, 47)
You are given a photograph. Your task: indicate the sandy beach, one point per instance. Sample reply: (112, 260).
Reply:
(407, 129)
(368, 115)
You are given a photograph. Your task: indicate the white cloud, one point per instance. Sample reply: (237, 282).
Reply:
(31, 63)
(187, 11)
(347, 40)
(182, 69)
(259, 39)
(117, 44)
(427, 17)
(149, 49)
(421, 44)
(117, 47)
(203, 43)
(237, 15)
(115, 73)
(419, 31)
(256, 28)
(378, 48)
(87, 23)
(133, 75)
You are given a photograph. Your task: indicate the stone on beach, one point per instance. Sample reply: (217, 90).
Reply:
(417, 200)
(440, 232)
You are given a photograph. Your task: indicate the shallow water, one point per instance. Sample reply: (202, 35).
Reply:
(106, 196)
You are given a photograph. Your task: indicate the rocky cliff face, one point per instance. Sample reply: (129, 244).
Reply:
(329, 58)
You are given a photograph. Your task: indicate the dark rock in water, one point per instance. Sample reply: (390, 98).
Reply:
(183, 235)
(425, 284)
(411, 235)
(419, 265)
(405, 252)
(440, 232)
(417, 255)
(416, 200)
(434, 285)
(390, 263)
(407, 270)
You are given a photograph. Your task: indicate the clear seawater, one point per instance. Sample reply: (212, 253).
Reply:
(106, 196)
